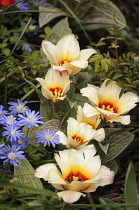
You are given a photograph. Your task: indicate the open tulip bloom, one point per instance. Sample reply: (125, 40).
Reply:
(93, 122)
(81, 171)
(66, 55)
(78, 134)
(107, 103)
(55, 86)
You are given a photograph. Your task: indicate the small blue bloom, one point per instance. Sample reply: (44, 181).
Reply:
(12, 132)
(21, 5)
(18, 107)
(48, 137)
(20, 142)
(2, 113)
(26, 47)
(9, 120)
(12, 155)
(30, 119)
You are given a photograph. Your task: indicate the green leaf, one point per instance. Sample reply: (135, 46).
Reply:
(104, 64)
(60, 29)
(131, 190)
(103, 11)
(108, 201)
(49, 14)
(24, 175)
(44, 112)
(97, 65)
(118, 140)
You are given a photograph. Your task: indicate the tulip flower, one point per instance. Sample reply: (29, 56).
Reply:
(55, 86)
(80, 171)
(66, 55)
(93, 121)
(78, 134)
(107, 102)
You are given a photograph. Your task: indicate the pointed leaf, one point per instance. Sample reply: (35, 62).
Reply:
(131, 190)
(108, 201)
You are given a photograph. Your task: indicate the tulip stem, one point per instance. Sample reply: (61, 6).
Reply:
(65, 206)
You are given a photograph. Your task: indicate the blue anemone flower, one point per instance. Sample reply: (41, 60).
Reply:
(9, 120)
(2, 113)
(21, 5)
(12, 155)
(20, 142)
(18, 107)
(48, 137)
(12, 132)
(30, 119)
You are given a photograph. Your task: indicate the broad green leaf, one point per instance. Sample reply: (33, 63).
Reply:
(49, 14)
(82, 78)
(44, 112)
(54, 125)
(118, 140)
(59, 30)
(104, 64)
(24, 175)
(113, 166)
(103, 12)
(131, 190)
(108, 201)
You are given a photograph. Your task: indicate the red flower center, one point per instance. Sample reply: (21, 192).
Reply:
(108, 106)
(76, 176)
(77, 138)
(56, 92)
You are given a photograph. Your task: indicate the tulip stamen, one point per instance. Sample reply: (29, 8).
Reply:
(63, 62)
(108, 107)
(56, 92)
(78, 139)
(76, 176)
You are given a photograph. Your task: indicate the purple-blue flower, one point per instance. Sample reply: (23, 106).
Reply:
(12, 132)
(30, 119)
(48, 137)
(18, 107)
(20, 142)
(21, 5)
(2, 113)
(26, 47)
(9, 120)
(12, 155)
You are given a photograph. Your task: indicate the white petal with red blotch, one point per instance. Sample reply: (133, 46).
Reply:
(42, 171)
(55, 177)
(127, 102)
(99, 135)
(109, 93)
(91, 93)
(50, 51)
(67, 48)
(73, 126)
(72, 69)
(70, 196)
(86, 131)
(86, 53)
(125, 120)
(90, 111)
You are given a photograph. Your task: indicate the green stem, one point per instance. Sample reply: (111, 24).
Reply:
(65, 206)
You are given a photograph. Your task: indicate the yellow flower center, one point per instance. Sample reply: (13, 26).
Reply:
(76, 176)
(56, 92)
(63, 62)
(108, 107)
(10, 121)
(30, 119)
(48, 137)
(19, 141)
(0, 112)
(11, 156)
(12, 132)
(78, 139)
(20, 108)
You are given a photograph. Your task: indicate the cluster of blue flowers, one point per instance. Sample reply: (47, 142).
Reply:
(21, 5)
(17, 116)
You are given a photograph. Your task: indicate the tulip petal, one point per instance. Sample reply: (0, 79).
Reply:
(125, 120)
(89, 110)
(49, 49)
(86, 53)
(42, 171)
(70, 196)
(106, 176)
(99, 135)
(91, 93)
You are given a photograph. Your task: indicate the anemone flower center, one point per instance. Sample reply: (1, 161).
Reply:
(11, 156)
(20, 108)
(48, 137)
(76, 176)
(19, 141)
(0, 112)
(30, 119)
(78, 139)
(12, 132)
(108, 107)
(56, 92)
(10, 121)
